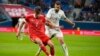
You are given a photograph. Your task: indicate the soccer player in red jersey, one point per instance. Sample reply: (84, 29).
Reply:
(36, 28)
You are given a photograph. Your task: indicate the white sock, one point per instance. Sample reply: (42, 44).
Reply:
(65, 49)
(21, 37)
(38, 52)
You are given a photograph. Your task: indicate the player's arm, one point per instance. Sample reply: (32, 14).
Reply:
(51, 25)
(48, 16)
(67, 20)
(70, 22)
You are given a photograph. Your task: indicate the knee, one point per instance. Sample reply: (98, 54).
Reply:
(61, 40)
(52, 45)
(38, 41)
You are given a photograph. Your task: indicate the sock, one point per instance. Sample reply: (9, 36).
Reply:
(21, 36)
(38, 52)
(52, 51)
(65, 49)
(44, 50)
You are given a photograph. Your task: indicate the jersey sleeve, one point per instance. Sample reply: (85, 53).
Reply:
(21, 20)
(48, 15)
(27, 17)
(44, 19)
(63, 15)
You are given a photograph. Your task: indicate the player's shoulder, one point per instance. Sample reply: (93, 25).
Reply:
(29, 15)
(61, 11)
(21, 19)
(42, 15)
(51, 9)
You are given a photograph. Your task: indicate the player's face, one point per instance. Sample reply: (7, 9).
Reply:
(22, 16)
(37, 12)
(57, 7)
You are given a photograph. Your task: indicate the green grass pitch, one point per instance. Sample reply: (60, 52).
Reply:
(77, 45)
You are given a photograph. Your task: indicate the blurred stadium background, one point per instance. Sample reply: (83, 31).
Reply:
(85, 41)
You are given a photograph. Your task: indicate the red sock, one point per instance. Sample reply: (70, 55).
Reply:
(52, 51)
(44, 50)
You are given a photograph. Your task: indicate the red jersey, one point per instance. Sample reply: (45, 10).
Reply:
(36, 25)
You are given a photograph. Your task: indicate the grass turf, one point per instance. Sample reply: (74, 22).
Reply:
(77, 45)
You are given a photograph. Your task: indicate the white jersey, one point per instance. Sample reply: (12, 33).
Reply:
(55, 17)
(20, 21)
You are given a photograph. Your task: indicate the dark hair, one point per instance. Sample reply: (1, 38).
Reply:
(58, 2)
(37, 9)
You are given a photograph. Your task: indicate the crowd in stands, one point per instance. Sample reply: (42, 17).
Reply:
(90, 12)
(89, 9)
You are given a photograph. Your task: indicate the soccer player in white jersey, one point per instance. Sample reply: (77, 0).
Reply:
(20, 21)
(54, 15)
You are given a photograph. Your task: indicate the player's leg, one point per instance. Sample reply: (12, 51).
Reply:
(21, 32)
(61, 40)
(51, 45)
(47, 32)
(39, 50)
(21, 36)
(42, 46)
(63, 45)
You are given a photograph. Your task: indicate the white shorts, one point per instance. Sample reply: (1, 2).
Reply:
(49, 32)
(22, 29)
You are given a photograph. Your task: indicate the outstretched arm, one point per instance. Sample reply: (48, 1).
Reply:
(51, 25)
(70, 22)
(67, 20)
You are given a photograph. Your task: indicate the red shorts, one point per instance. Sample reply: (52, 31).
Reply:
(41, 36)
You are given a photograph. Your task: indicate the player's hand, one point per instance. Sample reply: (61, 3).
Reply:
(52, 27)
(61, 26)
(74, 26)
